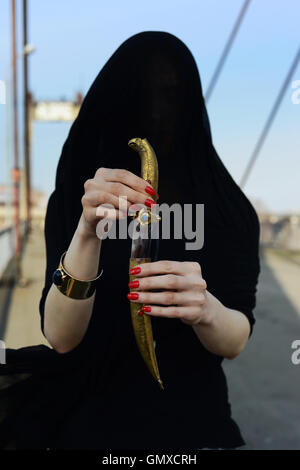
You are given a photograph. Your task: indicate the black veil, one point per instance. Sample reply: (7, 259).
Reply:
(150, 87)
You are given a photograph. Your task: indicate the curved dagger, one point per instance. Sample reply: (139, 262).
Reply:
(140, 248)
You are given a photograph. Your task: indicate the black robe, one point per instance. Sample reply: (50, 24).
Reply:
(101, 395)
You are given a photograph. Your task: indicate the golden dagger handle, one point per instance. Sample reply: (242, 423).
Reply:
(149, 166)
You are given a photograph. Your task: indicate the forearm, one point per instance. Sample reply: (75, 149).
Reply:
(65, 319)
(227, 331)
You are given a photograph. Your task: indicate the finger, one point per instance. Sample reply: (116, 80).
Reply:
(109, 212)
(189, 314)
(94, 214)
(125, 177)
(160, 267)
(97, 198)
(168, 282)
(134, 197)
(189, 298)
(164, 282)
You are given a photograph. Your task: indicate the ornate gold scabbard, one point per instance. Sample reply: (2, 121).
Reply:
(140, 252)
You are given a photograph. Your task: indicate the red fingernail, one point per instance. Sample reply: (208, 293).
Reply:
(146, 309)
(136, 270)
(149, 203)
(140, 313)
(133, 284)
(150, 190)
(132, 296)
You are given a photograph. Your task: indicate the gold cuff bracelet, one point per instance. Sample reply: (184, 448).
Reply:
(72, 287)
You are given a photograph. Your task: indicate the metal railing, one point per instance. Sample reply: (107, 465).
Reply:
(7, 245)
(6, 248)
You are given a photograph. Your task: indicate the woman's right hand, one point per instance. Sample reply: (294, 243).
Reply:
(107, 187)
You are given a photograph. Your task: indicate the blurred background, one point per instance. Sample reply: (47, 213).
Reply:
(248, 57)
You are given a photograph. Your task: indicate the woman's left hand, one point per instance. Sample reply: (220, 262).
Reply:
(182, 291)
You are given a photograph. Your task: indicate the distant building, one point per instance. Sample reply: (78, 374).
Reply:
(280, 231)
(38, 204)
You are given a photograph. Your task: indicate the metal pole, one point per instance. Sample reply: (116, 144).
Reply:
(16, 170)
(8, 217)
(27, 166)
(226, 50)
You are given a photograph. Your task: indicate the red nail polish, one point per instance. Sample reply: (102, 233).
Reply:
(140, 313)
(146, 309)
(149, 203)
(150, 190)
(132, 296)
(136, 270)
(133, 284)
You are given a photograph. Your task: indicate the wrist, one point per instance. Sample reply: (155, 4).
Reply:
(82, 256)
(211, 312)
(214, 308)
(85, 232)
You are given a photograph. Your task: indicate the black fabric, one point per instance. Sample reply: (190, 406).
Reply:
(101, 395)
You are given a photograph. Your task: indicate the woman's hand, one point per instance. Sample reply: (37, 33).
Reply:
(182, 294)
(182, 291)
(110, 187)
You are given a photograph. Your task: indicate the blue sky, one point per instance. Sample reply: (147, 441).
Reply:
(73, 40)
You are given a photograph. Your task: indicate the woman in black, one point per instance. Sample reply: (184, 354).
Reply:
(92, 390)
